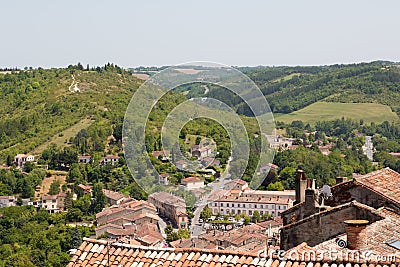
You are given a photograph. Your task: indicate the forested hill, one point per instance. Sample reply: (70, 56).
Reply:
(291, 88)
(40, 105)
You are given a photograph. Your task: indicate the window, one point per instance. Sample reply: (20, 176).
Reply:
(255, 206)
(222, 204)
(266, 206)
(250, 212)
(261, 206)
(244, 205)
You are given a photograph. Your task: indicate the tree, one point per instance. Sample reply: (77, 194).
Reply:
(76, 237)
(9, 160)
(246, 219)
(256, 216)
(74, 215)
(68, 201)
(99, 199)
(198, 140)
(168, 229)
(74, 173)
(206, 213)
(55, 187)
(277, 186)
(28, 166)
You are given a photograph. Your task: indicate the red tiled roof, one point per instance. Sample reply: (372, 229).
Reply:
(54, 197)
(111, 157)
(161, 152)
(385, 181)
(113, 195)
(84, 157)
(98, 253)
(85, 187)
(192, 179)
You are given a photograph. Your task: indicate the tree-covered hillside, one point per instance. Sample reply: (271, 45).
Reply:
(38, 105)
(291, 88)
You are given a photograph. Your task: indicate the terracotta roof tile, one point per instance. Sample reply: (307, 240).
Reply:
(129, 255)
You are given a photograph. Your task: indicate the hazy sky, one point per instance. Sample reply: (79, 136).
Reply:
(51, 33)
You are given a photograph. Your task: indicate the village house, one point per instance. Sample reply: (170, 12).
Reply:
(84, 159)
(163, 155)
(266, 168)
(278, 142)
(20, 159)
(113, 198)
(200, 151)
(8, 201)
(109, 159)
(132, 219)
(86, 189)
(210, 162)
(51, 203)
(180, 164)
(163, 179)
(172, 207)
(193, 182)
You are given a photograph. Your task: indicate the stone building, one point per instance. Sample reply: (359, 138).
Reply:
(172, 207)
(317, 218)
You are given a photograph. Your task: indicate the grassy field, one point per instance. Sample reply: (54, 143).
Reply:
(60, 138)
(369, 112)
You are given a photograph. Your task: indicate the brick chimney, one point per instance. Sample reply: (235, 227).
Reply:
(301, 184)
(340, 180)
(356, 234)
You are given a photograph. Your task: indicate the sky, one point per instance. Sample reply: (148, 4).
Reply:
(50, 33)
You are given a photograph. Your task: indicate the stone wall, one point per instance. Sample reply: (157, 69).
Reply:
(323, 226)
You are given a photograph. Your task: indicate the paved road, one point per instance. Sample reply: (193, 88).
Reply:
(196, 228)
(369, 148)
(162, 226)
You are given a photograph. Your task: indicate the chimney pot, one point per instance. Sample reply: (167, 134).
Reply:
(356, 234)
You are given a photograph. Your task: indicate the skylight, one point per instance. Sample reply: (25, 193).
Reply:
(395, 244)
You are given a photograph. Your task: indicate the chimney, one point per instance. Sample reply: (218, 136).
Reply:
(301, 186)
(340, 180)
(310, 198)
(356, 234)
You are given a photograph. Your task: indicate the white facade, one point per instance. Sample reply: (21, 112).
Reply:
(50, 203)
(193, 183)
(239, 198)
(20, 159)
(241, 205)
(7, 201)
(109, 160)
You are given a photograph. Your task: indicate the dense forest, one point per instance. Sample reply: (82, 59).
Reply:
(30, 238)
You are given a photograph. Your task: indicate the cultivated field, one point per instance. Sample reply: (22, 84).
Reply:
(369, 112)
